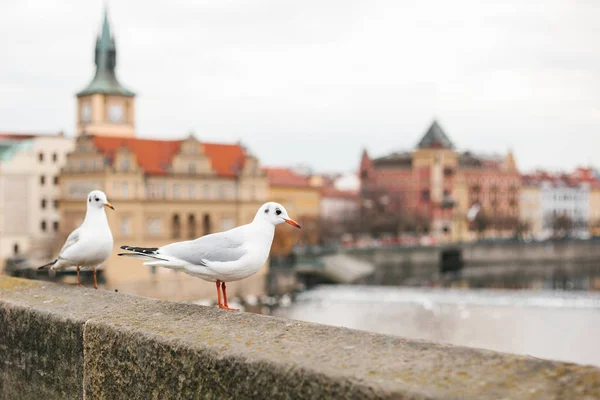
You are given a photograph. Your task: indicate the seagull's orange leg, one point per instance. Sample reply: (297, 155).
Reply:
(219, 302)
(78, 283)
(225, 305)
(95, 282)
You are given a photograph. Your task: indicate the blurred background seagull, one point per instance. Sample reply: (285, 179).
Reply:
(90, 244)
(221, 257)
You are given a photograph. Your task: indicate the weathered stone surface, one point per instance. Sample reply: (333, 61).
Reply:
(148, 349)
(41, 354)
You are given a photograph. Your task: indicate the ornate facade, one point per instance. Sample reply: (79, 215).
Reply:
(431, 188)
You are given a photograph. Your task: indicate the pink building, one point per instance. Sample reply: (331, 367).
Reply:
(430, 189)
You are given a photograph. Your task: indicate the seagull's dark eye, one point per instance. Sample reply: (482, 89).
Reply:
(97, 199)
(278, 211)
(267, 210)
(90, 200)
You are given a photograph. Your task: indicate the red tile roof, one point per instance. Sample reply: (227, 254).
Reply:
(560, 178)
(584, 175)
(285, 177)
(225, 158)
(155, 156)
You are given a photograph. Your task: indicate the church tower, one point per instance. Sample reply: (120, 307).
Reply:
(105, 107)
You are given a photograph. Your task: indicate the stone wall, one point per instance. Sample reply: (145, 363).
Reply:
(395, 265)
(64, 342)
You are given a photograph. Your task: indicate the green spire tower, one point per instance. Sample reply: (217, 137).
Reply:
(105, 106)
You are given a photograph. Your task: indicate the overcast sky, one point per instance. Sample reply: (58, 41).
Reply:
(315, 81)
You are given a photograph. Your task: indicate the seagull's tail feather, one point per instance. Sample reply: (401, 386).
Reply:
(144, 253)
(45, 266)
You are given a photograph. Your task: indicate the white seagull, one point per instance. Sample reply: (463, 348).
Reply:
(221, 257)
(90, 244)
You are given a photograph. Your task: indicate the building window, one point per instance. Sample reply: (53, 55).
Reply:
(153, 227)
(55, 203)
(125, 164)
(156, 191)
(192, 168)
(41, 157)
(43, 226)
(191, 226)
(192, 191)
(176, 193)
(55, 226)
(206, 191)
(425, 195)
(206, 223)
(125, 227)
(16, 249)
(125, 190)
(56, 180)
(43, 205)
(42, 180)
(175, 227)
(252, 192)
(222, 191)
(54, 157)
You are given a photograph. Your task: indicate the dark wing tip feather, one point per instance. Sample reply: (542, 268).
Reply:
(47, 265)
(143, 250)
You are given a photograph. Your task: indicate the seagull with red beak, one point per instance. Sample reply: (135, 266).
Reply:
(221, 257)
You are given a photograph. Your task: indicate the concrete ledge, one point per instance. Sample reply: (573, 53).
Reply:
(60, 342)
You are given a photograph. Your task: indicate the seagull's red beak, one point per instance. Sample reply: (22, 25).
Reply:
(107, 204)
(292, 223)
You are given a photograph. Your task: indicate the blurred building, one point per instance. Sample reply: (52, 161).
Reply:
(429, 190)
(338, 205)
(163, 190)
(301, 200)
(563, 204)
(592, 177)
(595, 208)
(29, 193)
(531, 206)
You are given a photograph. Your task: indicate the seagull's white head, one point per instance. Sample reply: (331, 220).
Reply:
(276, 214)
(97, 199)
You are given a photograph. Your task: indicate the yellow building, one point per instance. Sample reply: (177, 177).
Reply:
(163, 190)
(301, 200)
(531, 207)
(594, 216)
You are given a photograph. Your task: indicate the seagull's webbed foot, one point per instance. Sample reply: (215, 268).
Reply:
(225, 305)
(227, 308)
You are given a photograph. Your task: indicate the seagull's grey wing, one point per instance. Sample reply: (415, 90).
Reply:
(71, 240)
(216, 247)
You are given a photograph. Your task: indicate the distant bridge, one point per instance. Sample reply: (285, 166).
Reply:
(474, 262)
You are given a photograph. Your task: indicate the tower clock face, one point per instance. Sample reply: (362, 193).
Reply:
(86, 113)
(115, 113)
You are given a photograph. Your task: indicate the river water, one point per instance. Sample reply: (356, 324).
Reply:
(556, 325)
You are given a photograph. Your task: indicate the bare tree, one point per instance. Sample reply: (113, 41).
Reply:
(381, 210)
(562, 224)
(480, 223)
